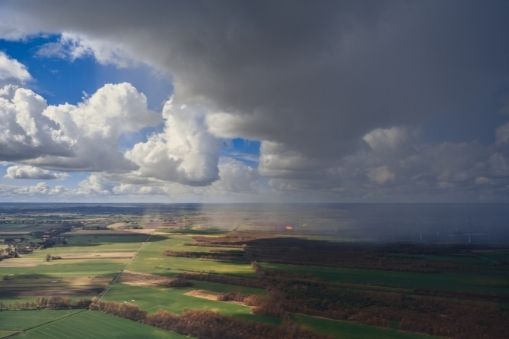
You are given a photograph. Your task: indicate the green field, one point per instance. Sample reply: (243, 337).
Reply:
(97, 239)
(351, 330)
(489, 282)
(22, 320)
(5, 334)
(175, 300)
(67, 268)
(171, 299)
(225, 288)
(77, 324)
(150, 259)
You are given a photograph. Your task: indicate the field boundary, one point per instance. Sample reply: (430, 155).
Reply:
(44, 323)
(119, 273)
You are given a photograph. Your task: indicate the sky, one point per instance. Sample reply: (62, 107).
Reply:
(254, 101)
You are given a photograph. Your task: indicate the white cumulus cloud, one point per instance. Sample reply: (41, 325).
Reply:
(96, 125)
(31, 172)
(26, 133)
(12, 70)
(73, 46)
(184, 152)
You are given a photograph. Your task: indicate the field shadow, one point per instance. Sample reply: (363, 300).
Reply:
(95, 240)
(43, 285)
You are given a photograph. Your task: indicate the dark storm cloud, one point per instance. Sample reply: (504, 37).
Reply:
(315, 75)
(310, 77)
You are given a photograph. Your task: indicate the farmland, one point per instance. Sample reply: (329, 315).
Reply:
(120, 278)
(75, 324)
(352, 330)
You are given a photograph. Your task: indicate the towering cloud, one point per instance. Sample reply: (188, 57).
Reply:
(184, 152)
(25, 132)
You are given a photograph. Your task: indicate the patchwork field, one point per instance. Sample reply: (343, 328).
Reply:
(83, 267)
(149, 259)
(252, 282)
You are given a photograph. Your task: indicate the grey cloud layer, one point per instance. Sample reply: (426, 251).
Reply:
(328, 72)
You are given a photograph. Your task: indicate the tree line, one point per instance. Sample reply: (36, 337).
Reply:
(205, 324)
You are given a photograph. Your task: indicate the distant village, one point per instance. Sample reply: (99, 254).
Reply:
(19, 243)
